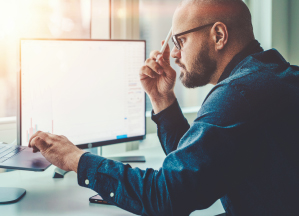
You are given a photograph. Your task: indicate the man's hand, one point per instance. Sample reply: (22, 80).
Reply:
(58, 150)
(158, 80)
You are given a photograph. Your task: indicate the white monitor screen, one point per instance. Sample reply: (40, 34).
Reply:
(86, 90)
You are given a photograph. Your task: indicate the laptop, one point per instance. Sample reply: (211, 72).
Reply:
(21, 158)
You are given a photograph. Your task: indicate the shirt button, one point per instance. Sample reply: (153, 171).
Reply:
(87, 182)
(111, 194)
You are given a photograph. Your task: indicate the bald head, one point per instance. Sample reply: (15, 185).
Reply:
(204, 53)
(233, 13)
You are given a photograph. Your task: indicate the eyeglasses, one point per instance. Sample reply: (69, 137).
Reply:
(175, 39)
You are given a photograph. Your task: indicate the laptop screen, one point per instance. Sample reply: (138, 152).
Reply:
(86, 90)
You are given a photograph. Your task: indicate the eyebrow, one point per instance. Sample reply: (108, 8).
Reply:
(193, 30)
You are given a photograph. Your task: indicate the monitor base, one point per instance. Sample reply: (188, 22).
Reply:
(11, 195)
(129, 159)
(59, 173)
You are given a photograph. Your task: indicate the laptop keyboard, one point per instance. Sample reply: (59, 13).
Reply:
(8, 151)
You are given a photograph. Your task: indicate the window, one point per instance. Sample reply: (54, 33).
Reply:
(34, 19)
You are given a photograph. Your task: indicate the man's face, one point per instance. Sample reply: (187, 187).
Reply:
(194, 59)
(201, 68)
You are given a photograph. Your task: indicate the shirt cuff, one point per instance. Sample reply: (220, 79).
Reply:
(102, 176)
(87, 169)
(169, 116)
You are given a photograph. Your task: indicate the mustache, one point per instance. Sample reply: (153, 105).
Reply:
(180, 64)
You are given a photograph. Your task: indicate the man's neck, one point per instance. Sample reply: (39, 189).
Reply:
(224, 60)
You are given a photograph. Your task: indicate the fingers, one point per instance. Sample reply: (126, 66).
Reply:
(158, 63)
(154, 66)
(33, 136)
(166, 67)
(37, 143)
(35, 149)
(154, 54)
(147, 72)
(151, 69)
(166, 54)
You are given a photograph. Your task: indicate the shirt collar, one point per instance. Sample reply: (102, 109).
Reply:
(253, 47)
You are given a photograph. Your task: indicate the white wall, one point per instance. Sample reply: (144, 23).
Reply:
(261, 11)
(8, 129)
(100, 20)
(275, 24)
(294, 32)
(280, 26)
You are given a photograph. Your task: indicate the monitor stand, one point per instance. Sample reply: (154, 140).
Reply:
(11, 195)
(129, 159)
(59, 173)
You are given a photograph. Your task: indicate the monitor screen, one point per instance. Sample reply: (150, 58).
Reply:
(86, 90)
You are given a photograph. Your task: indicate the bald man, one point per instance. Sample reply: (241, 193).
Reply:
(243, 145)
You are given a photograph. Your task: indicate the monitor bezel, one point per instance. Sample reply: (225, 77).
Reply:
(83, 145)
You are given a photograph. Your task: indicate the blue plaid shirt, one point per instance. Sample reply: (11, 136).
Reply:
(242, 148)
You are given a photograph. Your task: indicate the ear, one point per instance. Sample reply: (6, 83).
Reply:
(220, 35)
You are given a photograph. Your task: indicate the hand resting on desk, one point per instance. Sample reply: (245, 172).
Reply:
(58, 150)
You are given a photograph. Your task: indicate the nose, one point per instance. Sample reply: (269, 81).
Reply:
(175, 53)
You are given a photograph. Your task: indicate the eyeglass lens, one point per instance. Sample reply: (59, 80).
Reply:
(174, 40)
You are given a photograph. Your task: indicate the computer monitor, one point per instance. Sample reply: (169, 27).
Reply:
(86, 90)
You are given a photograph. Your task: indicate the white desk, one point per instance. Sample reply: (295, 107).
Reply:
(47, 196)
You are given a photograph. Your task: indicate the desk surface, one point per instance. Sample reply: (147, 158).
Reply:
(48, 196)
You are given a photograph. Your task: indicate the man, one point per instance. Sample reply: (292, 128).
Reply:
(243, 145)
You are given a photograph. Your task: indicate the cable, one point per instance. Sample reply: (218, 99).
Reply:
(13, 142)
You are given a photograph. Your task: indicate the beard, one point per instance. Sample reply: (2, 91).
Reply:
(202, 70)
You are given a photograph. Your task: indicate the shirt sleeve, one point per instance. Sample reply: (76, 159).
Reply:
(171, 126)
(212, 156)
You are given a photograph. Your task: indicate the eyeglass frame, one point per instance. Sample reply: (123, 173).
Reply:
(174, 37)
